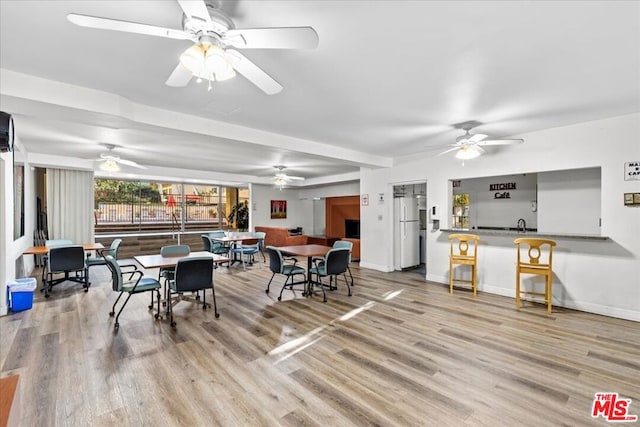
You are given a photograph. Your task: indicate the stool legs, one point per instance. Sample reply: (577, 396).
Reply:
(548, 293)
(547, 286)
(517, 289)
(450, 277)
(473, 279)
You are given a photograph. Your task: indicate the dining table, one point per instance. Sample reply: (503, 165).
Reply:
(309, 251)
(43, 250)
(160, 261)
(232, 241)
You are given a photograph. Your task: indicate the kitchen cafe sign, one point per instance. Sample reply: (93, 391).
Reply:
(502, 190)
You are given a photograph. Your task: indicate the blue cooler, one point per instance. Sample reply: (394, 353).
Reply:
(20, 294)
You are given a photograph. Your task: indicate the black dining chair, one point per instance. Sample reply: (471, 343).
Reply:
(335, 262)
(279, 264)
(192, 275)
(65, 260)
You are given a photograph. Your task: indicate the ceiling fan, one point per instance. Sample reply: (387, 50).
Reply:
(469, 146)
(212, 32)
(111, 162)
(281, 179)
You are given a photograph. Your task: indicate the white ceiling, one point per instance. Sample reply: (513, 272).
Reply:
(388, 79)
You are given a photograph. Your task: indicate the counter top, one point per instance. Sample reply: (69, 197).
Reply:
(509, 233)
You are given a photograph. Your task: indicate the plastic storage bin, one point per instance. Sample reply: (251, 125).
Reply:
(20, 294)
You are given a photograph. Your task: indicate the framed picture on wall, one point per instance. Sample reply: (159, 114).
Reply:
(278, 209)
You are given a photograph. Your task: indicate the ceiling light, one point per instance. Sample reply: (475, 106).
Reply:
(467, 152)
(110, 165)
(207, 61)
(280, 182)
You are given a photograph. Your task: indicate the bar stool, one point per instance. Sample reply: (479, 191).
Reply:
(537, 260)
(463, 249)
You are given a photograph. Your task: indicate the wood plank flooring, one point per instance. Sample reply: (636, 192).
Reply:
(399, 352)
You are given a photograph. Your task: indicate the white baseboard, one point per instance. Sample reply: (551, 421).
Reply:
(588, 307)
(382, 268)
(4, 310)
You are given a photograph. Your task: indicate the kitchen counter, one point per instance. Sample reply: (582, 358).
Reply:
(510, 232)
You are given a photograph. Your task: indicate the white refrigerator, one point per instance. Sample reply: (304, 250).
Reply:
(406, 232)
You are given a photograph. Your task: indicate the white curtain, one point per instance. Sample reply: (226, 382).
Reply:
(70, 205)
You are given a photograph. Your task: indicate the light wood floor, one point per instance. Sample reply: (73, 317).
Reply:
(400, 351)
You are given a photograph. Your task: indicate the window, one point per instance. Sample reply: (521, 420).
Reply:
(122, 205)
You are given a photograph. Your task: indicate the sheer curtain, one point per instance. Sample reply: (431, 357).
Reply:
(70, 205)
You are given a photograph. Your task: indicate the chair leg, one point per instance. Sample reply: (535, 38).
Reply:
(473, 280)
(157, 315)
(284, 286)
(347, 282)
(215, 307)
(324, 294)
(264, 259)
(547, 286)
(117, 325)
(113, 309)
(170, 306)
(269, 284)
(450, 277)
(350, 275)
(518, 289)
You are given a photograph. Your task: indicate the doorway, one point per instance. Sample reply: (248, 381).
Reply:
(410, 226)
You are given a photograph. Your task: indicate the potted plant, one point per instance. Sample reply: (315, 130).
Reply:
(240, 214)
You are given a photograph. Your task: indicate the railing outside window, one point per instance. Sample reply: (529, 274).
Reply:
(137, 206)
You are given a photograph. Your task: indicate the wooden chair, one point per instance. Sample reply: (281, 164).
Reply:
(537, 260)
(463, 249)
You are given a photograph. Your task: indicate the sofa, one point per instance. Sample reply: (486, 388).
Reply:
(279, 236)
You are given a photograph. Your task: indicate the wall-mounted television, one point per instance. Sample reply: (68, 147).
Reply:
(352, 228)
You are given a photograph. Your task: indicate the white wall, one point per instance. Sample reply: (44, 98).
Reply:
(301, 209)
(597, 276)
(10, 249)
(299, 212)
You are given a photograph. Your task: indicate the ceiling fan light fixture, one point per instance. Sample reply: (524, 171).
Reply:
(280, 182)
(467, 152)
(110, 165)
(207, 61)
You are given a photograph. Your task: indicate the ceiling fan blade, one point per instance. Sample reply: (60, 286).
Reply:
(180, 76)
(295, 178)
(130, 163)
(126, 26)
(272, 38)
(500, 142)
(253, 73)
(457, 147)
(477, 137)
(195, 9)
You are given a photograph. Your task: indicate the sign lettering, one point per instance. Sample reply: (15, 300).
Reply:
(632, 171)
(503, 186)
